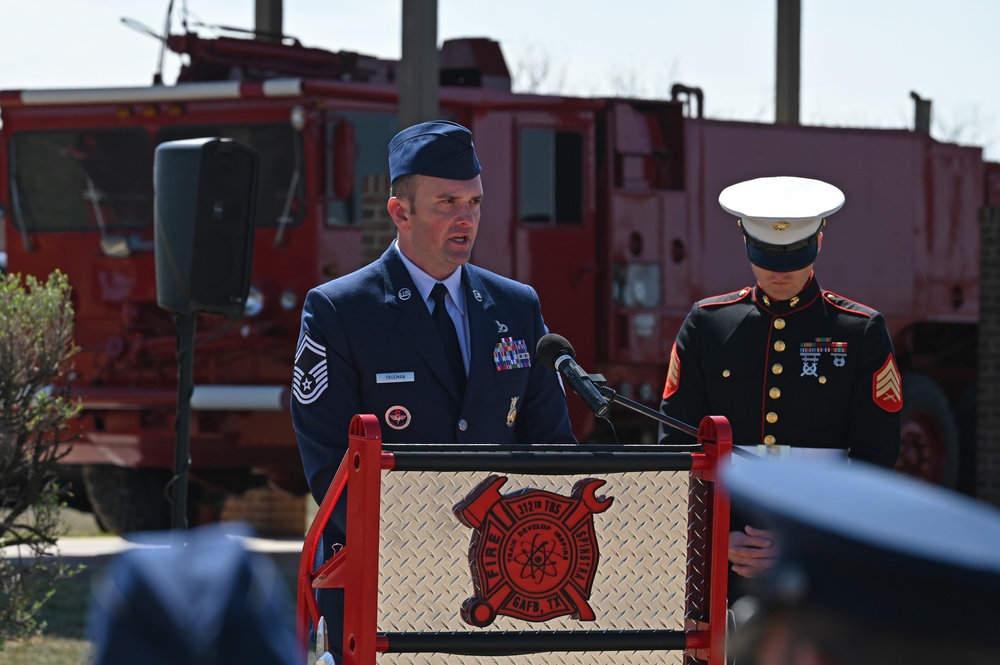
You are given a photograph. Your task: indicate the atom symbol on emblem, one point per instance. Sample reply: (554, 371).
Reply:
(536, 561)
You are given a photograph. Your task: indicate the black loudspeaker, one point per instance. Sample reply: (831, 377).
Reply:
(205, 196)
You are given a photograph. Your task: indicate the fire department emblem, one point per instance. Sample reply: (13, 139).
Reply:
(533, 553)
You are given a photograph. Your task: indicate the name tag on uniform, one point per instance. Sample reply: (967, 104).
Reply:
(394, 377)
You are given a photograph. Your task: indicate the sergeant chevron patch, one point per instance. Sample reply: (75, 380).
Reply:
(887, 388)
(673, 374)
(309, 379)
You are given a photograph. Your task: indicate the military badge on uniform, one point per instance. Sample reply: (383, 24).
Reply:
(533, 553)
(397, 417)
(512, 412)
(309, 377)
(811, 352)
(887, 387)
(511, 354)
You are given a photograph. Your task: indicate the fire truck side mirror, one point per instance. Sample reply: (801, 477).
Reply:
(344, 149)
(204, 202)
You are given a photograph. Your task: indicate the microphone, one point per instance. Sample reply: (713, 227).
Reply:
(555, 352)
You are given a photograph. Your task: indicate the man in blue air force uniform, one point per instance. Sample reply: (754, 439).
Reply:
(370, 342)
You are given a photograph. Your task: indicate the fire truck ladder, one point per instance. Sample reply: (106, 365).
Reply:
(355, 567)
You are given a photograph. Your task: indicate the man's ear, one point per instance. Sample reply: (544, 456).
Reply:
(400, 212)
(819, 242)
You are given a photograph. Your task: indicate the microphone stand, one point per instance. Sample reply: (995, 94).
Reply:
(612, 396)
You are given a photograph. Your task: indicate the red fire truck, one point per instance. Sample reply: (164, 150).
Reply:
(607, 206)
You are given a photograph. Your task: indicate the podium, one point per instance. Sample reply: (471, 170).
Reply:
(659, 566)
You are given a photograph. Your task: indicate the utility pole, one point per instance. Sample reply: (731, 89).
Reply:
(419, 69)
(786, 107)
(268, 19)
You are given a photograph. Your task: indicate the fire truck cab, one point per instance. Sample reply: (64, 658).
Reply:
(608, 207)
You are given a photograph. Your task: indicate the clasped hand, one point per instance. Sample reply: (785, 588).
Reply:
(753, 551)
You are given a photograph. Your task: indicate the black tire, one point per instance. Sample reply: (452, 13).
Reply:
(929, 440)
(127, 500)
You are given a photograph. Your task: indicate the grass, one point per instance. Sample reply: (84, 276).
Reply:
(62, 641)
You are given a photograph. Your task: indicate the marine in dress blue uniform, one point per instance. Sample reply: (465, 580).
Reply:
(874, 567)
(811, 370)
(797, 371)
(368, 343)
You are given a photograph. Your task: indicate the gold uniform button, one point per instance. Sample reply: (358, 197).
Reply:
(779, 324)
(775, 393)
(776, 368)
(743, 292)
(772, 417)
(822, 379)
(769, 440)
(726, 373)
(779, 346)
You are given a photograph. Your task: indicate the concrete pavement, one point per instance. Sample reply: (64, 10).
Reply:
(97, 546)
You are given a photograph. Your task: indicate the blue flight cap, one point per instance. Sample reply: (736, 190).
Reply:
(442, 149)
(781, 218)
(885, 550)
(209, 601)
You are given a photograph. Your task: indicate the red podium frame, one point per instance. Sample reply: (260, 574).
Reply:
(355, 566)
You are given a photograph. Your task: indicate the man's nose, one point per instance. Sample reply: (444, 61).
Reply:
(466, 215)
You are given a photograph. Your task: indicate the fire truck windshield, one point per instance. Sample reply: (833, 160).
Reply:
(102, 179)
(82, 179)
(279, 185)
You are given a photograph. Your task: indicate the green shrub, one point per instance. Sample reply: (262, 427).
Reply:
(36, 351)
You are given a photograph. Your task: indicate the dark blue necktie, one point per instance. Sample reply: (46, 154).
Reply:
(449, 337)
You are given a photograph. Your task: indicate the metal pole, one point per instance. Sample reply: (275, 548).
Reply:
(268, 20)
(419, 69)
(182, 442)
(786, 107)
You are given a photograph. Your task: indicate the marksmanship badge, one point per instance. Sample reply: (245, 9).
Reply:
(533, 553)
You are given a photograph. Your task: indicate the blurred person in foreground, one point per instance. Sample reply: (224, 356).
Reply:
(873, 568)
(195, 597)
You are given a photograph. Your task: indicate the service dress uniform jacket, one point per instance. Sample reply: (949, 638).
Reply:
(815, 371)
(368, 345)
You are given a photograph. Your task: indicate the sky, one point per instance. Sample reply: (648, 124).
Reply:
(860, 59)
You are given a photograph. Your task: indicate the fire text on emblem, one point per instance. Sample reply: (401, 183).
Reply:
(533, 553)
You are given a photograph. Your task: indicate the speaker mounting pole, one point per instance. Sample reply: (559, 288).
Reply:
(182, 428)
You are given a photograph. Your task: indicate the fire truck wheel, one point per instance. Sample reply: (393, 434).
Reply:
(128, 500)
(929, 447)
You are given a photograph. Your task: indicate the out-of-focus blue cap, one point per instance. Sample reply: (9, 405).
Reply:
(883, 549)
(209, 601)
(442, 149)
(781, 218)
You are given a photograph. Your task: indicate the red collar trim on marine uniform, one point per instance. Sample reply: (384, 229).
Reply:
(807, 297)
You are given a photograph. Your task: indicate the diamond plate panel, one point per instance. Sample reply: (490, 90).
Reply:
(641, 578)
